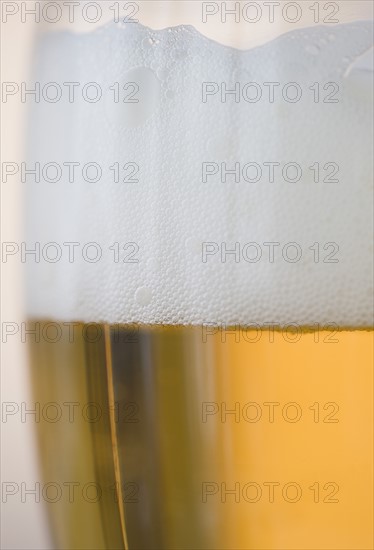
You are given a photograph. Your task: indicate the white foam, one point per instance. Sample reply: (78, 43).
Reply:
(169, 212)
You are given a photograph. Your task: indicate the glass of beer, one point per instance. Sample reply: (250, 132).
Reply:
(199, 280)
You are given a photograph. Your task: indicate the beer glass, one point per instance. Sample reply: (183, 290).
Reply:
(199, 278)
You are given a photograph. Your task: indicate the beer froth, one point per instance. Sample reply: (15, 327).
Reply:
(150, 111)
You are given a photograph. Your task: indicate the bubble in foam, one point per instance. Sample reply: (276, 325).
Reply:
(149, 42)
(170, 94)
(179, 54)
(313, 49)
(162, 73)
(167, 209)
(143, 296)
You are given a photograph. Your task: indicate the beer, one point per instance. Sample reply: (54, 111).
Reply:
(205, 436)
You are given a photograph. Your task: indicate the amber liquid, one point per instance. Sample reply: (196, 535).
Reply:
(208, 439)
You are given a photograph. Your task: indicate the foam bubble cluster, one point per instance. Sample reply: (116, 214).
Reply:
(174, 213)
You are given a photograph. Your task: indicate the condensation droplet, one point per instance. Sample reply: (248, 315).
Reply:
(143, 296)
(138, 101)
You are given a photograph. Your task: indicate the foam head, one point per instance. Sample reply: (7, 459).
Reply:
(213, 220)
